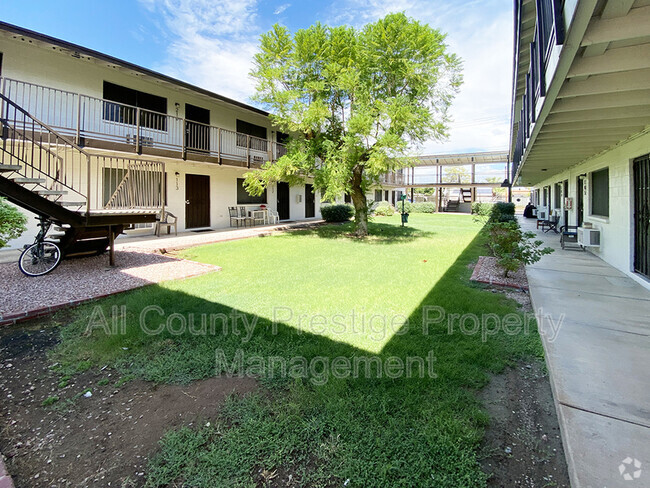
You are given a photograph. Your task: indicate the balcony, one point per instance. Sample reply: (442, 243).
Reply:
(548, 32)
(104, 124)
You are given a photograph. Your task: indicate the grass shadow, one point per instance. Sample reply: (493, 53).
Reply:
(379, 233)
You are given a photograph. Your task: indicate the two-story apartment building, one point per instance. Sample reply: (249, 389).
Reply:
(132, 138)
(580, 132)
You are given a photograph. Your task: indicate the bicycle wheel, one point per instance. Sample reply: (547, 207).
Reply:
(40, 258)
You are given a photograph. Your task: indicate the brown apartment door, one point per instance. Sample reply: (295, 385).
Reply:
(310, 201)
(283, 200)
(580, 201)
(197, 201)
(642, 215)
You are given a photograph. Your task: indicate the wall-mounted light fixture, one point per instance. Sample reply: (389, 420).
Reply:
(178, 107)
(177, 174)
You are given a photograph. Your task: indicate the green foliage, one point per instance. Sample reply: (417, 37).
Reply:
(384, 209)
(12, 222)
(512, 247)
(337, 213)
(423, 207)
(502, 212)
(353, 100)
(51, 400)
(417, 207)
(482, 209)
(494, 212)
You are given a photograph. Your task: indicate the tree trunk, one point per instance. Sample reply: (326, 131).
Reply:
(360, 203)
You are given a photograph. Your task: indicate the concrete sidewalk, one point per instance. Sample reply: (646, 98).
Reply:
(599, 364)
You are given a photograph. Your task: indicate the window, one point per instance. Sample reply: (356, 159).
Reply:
(347, 198)
(123, 111)
(245, 198)
(600, 192)
(378, 194)
(258, 133)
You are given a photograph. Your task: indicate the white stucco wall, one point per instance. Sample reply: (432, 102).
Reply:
(617, 230)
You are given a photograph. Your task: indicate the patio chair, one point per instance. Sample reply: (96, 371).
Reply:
(168, 220)
(569, 235)
(236, 217)
(550, 224)
(243, 212)
(274, 217)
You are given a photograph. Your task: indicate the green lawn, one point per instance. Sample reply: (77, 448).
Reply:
(299, 290)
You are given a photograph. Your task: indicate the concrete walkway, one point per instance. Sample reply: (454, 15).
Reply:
(187, 239)
(599, 364)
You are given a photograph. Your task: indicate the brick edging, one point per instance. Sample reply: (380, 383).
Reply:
(5, 478)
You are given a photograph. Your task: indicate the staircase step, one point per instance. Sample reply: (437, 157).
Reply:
(10, 167)
(23, 181)
(60, 228)
(51, 192)
(72, 204)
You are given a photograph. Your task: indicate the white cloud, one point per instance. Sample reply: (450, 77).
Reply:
(212, 43)
(480, 32)
(281, 8)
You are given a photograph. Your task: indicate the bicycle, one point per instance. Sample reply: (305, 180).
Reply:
(41, 257)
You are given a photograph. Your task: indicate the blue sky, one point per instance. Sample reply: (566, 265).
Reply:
(210, 43)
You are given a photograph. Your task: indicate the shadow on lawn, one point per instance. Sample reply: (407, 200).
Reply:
(379, 431)
(379, 233)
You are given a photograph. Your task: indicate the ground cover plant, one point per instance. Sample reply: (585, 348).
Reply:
(315, 429)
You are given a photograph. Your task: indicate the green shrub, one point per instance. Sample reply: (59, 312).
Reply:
(482, 209)
(408, 207)
(502, 212)
(337, 213)
(512, 247)
(423, 207)
(12, 223)
(384, 209)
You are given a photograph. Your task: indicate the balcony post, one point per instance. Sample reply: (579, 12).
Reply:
(137, 131)
(88, 186)
(248, 151)
(219, 144)
(78, 119)
(185, 129)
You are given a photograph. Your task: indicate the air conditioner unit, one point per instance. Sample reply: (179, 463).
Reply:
(542, 213)
(588, 237)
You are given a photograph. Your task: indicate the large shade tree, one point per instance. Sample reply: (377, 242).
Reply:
(355, 102)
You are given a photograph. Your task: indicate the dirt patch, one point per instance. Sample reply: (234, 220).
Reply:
(522, 447)
(101, 440)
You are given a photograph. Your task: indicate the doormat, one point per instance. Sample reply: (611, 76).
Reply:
(202, 230)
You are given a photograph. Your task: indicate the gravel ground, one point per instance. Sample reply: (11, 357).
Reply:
(487, 271)
(86, 278)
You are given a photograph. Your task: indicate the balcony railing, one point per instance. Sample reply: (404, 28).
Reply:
(549, 31)
(88, 119)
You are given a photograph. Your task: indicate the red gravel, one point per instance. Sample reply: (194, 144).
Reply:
(77, 280)
(488, 271)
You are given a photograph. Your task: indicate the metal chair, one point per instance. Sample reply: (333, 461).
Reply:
(569, 235)
(550, 224)
(168, 220)
(236, 217)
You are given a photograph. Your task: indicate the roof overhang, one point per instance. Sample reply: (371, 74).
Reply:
(80, 52)
(492, 157)
(599, 96)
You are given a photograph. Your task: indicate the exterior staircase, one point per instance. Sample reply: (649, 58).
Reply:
(47, 174)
